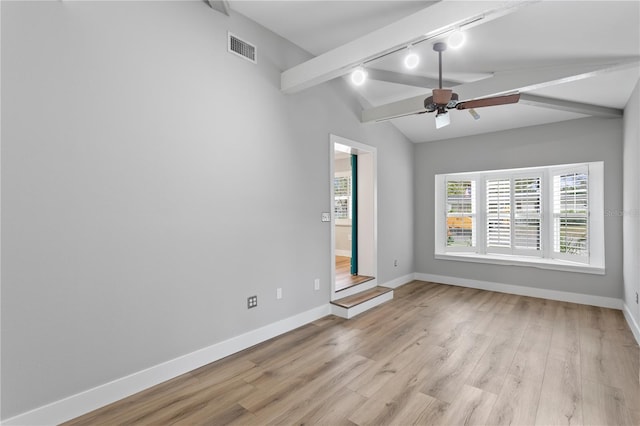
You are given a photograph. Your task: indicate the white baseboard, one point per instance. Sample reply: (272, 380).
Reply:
(84, 402)
(633, 324)
(395, 283)
(563, 296)
(345, 253)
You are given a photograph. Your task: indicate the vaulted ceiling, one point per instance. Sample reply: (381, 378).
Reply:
(568, 59)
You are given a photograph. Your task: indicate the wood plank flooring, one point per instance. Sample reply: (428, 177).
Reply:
(435, 355)
(344, 279)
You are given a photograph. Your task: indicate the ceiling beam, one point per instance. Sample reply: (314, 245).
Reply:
(538, 78)
(570, 106)
(501, 83)
(406, 79)
(431, 22)
(395, 109)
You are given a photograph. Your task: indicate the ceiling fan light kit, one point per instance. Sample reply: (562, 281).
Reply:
(474, 114)
(442, 119)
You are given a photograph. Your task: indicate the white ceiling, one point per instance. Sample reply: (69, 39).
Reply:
(319, 26)
(542, 34)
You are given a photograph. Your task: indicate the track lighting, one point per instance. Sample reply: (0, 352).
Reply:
(359, 76)
(456, 39)
(411, 60)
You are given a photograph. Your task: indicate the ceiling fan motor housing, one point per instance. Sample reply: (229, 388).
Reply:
(442, 96)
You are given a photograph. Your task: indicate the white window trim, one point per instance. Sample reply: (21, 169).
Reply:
(595, 262)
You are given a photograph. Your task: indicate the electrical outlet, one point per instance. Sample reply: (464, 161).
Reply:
(278, 293)
(636, 297)
(316, 284)
(252, 302)
(395, 262)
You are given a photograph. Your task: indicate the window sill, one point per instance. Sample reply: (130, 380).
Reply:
(495, 259)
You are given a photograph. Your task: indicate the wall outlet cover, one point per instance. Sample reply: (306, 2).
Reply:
(252, 302)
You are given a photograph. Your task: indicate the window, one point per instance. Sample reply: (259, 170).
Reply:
(342, 196)
(550, 217)
(570, 214)
(461, 211)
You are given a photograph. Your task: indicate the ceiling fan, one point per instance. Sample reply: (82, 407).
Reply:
(443, 100)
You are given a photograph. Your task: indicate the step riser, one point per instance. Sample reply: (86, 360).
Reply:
(362, 307)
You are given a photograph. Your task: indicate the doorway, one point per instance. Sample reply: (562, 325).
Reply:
(353, 201)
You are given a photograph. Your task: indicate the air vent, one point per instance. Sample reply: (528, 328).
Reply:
(242, 48)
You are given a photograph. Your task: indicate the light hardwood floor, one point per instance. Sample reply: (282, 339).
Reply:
(435, 355)
(344, 279)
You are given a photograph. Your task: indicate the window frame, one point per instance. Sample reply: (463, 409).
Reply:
(545, 257)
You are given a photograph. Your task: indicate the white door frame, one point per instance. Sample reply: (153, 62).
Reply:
(358, 148)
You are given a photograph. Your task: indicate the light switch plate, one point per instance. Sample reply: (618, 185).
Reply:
(326, 217)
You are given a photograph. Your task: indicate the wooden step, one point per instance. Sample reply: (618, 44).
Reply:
(350, 306)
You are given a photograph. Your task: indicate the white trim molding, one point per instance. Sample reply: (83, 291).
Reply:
(633, 325)
(400, 281)
(563, 296)
(532, 262)
(89, 400)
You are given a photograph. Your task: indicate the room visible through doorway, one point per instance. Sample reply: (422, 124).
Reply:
(344, 278)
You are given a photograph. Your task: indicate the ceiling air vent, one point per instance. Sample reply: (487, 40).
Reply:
(242, 48)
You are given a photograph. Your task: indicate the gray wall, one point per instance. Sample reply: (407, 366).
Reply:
(631, 211)
(151, 181)
(573, 141)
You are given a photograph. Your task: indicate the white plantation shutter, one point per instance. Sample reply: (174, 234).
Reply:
(498, 213)
(571, 215)
(527, 198)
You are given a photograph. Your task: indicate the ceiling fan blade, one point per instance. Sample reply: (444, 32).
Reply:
(496, 100)
(401, 115)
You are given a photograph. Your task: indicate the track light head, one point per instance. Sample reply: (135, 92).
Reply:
(456, 39)
(358, 76)
(412, 59)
